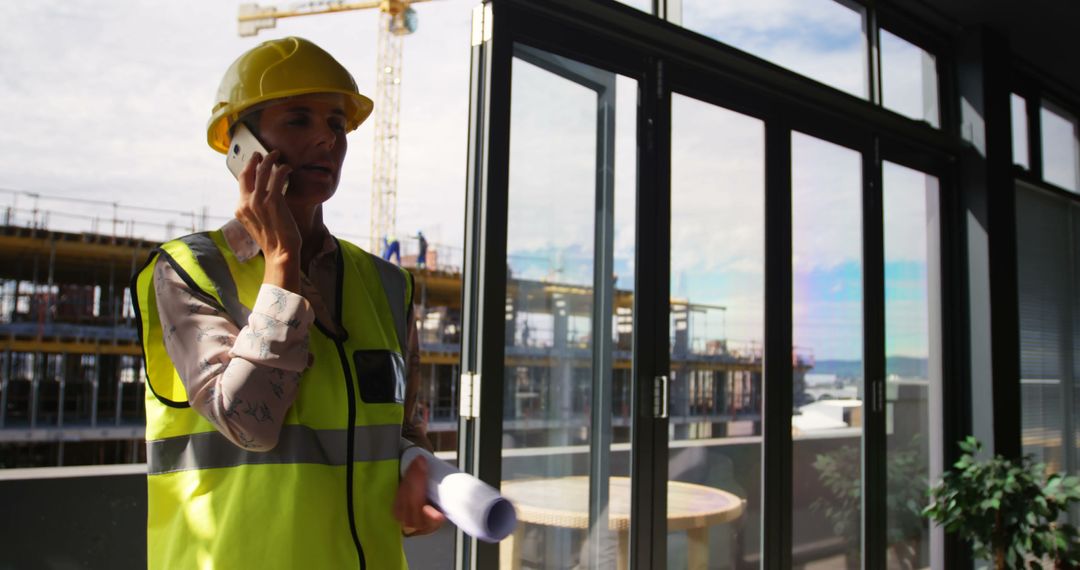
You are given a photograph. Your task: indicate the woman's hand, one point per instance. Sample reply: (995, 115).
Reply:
(265, 215)
(411, 506)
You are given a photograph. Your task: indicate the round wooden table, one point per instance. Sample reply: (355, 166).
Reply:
(564, 502)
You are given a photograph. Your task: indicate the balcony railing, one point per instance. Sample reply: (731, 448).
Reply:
(95, 517)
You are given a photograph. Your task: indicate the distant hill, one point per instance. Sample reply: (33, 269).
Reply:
(903, 366)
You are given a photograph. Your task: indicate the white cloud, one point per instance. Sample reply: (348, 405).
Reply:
(552, 161)
(718, 188)
(906, 204)
(826, 181)
(744, 319)
(109, 100)
(764, 16)
(818, 38)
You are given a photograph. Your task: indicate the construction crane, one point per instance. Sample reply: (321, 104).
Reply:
(397, 20)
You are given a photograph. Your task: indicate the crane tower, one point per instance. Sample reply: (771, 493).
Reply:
(396, 20)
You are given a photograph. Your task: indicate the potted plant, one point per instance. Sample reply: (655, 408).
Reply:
(1010, 511)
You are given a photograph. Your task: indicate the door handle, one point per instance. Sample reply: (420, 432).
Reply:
(660, 396)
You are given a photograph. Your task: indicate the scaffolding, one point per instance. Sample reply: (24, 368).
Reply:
(71, 374)
(72, 381)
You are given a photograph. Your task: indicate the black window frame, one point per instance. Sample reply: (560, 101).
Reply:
(666, 58)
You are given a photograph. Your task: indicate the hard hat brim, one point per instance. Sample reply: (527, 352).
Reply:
(357, 109)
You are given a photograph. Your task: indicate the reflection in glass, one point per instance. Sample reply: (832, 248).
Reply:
(1060, 147)
(1019, 130)
(827, 303)
(560, 111)
(821, 39)
(1074, 212)
(1046, 290)
(909, 82)
(912, 359)
(717, 327)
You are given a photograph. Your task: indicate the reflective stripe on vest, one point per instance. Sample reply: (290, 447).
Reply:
(296, 444)
(335, 450)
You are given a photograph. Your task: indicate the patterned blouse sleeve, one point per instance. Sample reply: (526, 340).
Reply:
(242, 379)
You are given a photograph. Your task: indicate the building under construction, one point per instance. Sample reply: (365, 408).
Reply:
(72, 383)
(72, 388)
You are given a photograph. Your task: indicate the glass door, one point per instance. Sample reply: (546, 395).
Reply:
(691, 300)
(549, 302)
(827, 423)
(717, 330)
(569, 299)
(914, 379)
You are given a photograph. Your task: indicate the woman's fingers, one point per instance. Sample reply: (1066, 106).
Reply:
(432, 518)
(414, 482)
(247, 175)
(265, 168)
(278, 178)
(411, 495)
(262, 208)
(411, 507)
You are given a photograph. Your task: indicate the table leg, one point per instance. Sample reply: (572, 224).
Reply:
(622, 561)
(510, 549)
(698, 556)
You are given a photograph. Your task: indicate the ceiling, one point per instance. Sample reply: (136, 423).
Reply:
(1045, 34)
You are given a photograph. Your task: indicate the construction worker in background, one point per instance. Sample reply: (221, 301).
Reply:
(421, 255)
(281, 360)
(391, 248)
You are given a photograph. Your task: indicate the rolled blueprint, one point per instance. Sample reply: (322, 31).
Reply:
(474, 506)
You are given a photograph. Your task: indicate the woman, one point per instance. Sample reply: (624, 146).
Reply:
(276, 354)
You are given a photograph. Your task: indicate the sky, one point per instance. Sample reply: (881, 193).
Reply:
(108, 100)
(821, 39)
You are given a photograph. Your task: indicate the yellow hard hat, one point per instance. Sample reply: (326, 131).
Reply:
(281, 68)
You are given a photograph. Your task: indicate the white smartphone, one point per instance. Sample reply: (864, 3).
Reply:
(245, 144)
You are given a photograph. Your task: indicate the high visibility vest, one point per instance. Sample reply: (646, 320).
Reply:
(322, 498)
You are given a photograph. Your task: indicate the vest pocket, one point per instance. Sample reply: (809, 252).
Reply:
(381, 376)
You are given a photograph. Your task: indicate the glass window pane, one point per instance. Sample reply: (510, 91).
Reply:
(821, 39)
(717, 328)
(827, 332)
(1060, 147)
(912, 359)
(909, 82)
(643, 5)
(1045, 291)
(559, 111)
(1019, 130)
(1075, 288)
